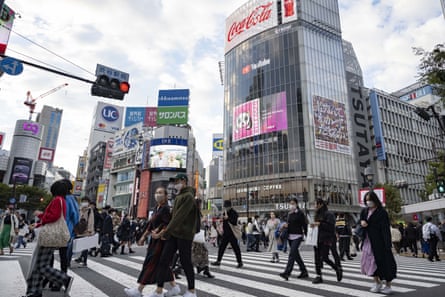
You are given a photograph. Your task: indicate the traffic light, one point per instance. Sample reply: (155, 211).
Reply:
(440, 184)
(110, 83)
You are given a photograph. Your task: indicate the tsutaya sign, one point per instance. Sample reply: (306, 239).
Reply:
(250, 19)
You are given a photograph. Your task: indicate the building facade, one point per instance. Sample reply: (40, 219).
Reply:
(51, 119)
(287, 117)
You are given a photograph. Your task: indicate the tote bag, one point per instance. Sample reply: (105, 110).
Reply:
(55, 234)
(312, 236)
(199, 237)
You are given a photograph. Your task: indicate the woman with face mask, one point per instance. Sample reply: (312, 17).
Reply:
(159, 220)
(8, 229)
(377, 258)
(297, 228)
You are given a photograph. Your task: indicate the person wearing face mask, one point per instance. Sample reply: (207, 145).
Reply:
(179, 235)
(297, 228)
(87, 218)
(8, 229)
(158, 221)
(377, 258)
(230, 217)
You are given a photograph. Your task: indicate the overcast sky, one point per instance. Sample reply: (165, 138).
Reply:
(167, 44)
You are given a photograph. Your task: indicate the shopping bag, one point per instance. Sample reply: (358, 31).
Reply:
(199, 237)
(312, 236)
(85, 243)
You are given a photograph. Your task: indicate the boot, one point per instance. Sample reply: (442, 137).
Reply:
(122, 250)
(207, 272)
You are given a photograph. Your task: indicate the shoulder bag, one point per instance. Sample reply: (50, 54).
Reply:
(55, 234)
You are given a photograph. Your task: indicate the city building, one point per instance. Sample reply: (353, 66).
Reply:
(287, 123)
(50, 118)
(95, 170)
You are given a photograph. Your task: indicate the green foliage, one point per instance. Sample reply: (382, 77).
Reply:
(432, 68)
(393, 202)
(430, 180)
(33, 194)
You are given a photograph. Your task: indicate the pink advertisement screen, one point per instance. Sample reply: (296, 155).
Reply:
(259, 116)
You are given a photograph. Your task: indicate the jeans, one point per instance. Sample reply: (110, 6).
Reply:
(294, 256)
(20, 241)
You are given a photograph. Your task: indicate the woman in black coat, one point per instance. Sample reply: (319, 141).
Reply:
(377, 258)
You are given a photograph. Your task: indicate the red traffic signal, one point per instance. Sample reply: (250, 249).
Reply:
(110, 87)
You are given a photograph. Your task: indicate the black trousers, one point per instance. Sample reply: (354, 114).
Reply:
(344, 244)
(226, 239)
(322, 255)
(433, 248)
(184, 247)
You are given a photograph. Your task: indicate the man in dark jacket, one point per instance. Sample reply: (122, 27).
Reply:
(179, 235)
(344, 233)
(230, 217)
(106, 235)
(325, 220)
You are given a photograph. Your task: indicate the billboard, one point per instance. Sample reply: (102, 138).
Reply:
(108, 117)
(379, 191)
(6, 21)
(172, 115)
(174, 97)
(259, 116)
(218, 144)
(2, 139)
(145, 115)
(378, 132)
(330, 125)
(127, 139)
(288, 11)
(168, 154)
(108, 154)
(250, 19)
(46, 154)
(21, 171)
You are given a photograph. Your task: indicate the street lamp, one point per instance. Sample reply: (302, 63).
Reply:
(369, 175)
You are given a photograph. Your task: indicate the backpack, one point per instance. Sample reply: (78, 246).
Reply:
(82, 226)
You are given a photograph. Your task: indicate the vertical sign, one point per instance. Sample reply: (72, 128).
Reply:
(6, 19)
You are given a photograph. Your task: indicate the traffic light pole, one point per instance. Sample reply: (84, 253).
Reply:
(52, 70)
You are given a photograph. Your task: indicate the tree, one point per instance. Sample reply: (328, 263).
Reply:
(432, 68)
(393, 202)
(437, 170)
(34, 196)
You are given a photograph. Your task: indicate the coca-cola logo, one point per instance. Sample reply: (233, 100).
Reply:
(258, 15)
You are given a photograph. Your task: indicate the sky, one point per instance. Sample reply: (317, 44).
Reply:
(166, 44)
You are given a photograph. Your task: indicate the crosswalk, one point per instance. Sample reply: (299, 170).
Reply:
(106, 277)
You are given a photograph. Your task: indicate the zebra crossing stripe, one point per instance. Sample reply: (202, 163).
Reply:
(212, 288)
(12, 279)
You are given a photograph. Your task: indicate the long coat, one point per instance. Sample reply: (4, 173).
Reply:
(379, 234)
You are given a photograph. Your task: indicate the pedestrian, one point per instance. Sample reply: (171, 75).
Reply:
(344, 233)
(23, 230)
(42, 267)
(213, 234)
(396, 238)
(107, 233)
(124, 234)
(256, 232)
(179, 235)
(431, 234)
(9, 229)
(296, 225)
(411, 238)
(86, 224)
(98, 224)
(200, 253)
(272, 224)
(377, 258)
(250, 237)
(159, 220)
(325, 222)
(230, 217)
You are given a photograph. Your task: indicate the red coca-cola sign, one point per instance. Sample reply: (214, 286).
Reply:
(258, 15)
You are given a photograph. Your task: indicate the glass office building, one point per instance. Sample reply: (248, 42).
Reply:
(286, 119)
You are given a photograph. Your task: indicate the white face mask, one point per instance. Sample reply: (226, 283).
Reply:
(178, 187)
(84, 204)
(370, 204)
(159, 197)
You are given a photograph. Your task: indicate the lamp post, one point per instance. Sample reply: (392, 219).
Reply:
(247, 201)
(369, 175)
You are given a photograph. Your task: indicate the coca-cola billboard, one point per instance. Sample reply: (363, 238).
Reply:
(288, 11)
(250, 19)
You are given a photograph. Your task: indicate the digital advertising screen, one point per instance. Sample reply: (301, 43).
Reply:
(21, 170)
(168, 154)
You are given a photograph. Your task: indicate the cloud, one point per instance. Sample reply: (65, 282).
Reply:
(176, 43)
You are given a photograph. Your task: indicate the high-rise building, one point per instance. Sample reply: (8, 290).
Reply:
(50, 118)
(287, 123)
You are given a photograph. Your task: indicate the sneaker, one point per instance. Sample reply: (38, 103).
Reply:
(189, 294)
(303, 275)
(386, 290)
(317, 280)
(68, 284)
(132, 292)
(173, 291)
(376, 288)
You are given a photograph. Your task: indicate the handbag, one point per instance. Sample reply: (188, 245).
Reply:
(236, 230)
(55, 234)
(199, 237)
(312, 236)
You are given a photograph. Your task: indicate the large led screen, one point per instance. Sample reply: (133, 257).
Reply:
(259, 116)
(21, 170)
(168, 154)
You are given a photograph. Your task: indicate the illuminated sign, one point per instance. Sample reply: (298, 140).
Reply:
(264, 62)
